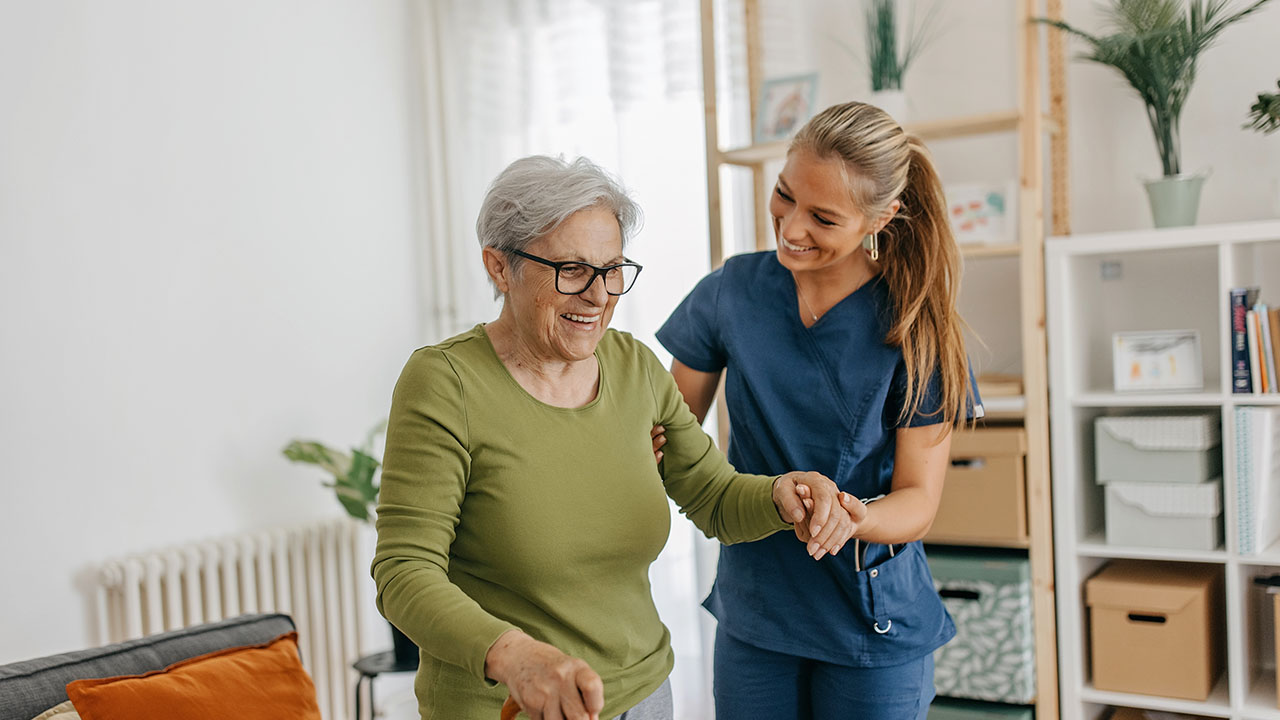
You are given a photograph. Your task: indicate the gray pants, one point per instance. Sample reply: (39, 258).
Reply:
(657, 706)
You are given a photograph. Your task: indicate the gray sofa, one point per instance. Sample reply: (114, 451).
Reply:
(30, 687)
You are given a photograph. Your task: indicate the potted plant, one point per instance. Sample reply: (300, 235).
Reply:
(354, 483)
(1264, 115)
(886, 62)
(1156, 45)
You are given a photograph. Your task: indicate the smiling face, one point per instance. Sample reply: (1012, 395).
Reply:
(815, 221)
(550, 325)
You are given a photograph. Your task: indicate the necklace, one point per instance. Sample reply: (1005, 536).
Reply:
(812, 314)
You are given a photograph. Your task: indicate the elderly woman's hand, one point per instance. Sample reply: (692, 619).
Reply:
(659, 438)
(548, 684)
(812, 502)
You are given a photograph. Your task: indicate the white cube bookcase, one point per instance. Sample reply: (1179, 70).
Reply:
(1172, 279)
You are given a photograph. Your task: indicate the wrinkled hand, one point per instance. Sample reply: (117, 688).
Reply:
(810, 500)
(658, 437)
(545, 682)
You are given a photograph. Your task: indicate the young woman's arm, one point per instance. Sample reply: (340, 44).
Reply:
(697, 387)
(906, 513)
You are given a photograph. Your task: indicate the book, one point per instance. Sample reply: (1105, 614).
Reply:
(1244, 480)
(1268, 352)
(1258, 477)
(1241, 298)
(1274, 316)
(1256, 380)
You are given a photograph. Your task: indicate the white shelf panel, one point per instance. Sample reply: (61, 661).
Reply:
(1261, 703)
(1095, 545)
(1113, 399)
(1218, 704)
(1134, 240)
(1255, 399)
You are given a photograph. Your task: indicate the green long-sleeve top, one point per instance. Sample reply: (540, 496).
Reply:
(498, 511)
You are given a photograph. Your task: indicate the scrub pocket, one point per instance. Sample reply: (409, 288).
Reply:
(903, 616)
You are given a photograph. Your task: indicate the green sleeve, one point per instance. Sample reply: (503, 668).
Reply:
(424, 477)
(730, 506)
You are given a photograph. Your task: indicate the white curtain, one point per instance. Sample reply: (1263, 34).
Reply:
(618, 81)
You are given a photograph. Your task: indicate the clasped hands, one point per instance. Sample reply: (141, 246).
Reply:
(824, 518)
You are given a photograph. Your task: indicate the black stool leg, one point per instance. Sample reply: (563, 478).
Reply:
(359, 680)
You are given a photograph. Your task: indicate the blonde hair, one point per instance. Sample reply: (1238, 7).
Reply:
(919, 259)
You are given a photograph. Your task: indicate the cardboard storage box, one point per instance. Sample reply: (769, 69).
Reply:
(992, 656)
(1156, 628)
(1166, 448)
(952, 709)
(1165, 515)
(984, 499)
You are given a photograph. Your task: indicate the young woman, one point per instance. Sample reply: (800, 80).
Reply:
(844, 355)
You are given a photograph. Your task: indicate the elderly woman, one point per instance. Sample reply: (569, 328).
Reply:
(521, 506)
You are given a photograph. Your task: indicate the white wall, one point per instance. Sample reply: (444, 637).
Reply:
(207, 233)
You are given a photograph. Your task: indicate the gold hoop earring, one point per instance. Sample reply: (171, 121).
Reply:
(871, 243)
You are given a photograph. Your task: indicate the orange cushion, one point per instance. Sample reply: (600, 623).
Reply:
(259, 682)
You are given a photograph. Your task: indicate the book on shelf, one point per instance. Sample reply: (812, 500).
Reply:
(1241, 299)
(1266, 349)
(1257, 373)
(1255, 343)
(1257, 461)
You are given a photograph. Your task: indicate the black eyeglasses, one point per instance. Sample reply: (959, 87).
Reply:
(573, 278)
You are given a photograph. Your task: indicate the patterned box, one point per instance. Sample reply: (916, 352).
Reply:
(988, 595)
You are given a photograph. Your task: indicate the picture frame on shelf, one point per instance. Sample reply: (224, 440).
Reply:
(1158, 360)
(983, 213)
(786, 103)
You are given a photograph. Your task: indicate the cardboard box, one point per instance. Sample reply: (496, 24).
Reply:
(984, 499)
(1164, 449)
(1156, 628)
(1165, 515)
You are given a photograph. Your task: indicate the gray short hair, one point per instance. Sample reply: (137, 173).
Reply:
(535, 194)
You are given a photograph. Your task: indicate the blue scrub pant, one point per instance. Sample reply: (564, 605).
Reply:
(756, 684)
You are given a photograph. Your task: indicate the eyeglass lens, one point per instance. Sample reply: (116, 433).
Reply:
(573, 278)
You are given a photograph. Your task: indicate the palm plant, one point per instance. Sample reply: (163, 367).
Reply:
(352, 473)
(1264, 115)
(887, 65)
(1155, 45)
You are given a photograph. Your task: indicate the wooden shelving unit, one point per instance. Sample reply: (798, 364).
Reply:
(1039, 125)
(1084, 309)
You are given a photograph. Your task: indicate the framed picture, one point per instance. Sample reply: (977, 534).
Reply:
(983, 213)
(1162, 360)
(785, 104)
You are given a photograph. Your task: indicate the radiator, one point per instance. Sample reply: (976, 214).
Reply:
(308, 572)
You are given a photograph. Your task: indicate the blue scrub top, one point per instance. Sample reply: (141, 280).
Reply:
(826, 398)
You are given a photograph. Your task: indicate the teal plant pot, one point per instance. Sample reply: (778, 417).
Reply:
(1175, 200)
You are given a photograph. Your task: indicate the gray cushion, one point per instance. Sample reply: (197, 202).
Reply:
(30, 687)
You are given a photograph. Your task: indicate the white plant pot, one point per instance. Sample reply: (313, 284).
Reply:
(893, 102)
(1175, 201)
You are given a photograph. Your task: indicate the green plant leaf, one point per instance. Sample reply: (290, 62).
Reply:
(308, 451)
(353, 475)
(1264, 115)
